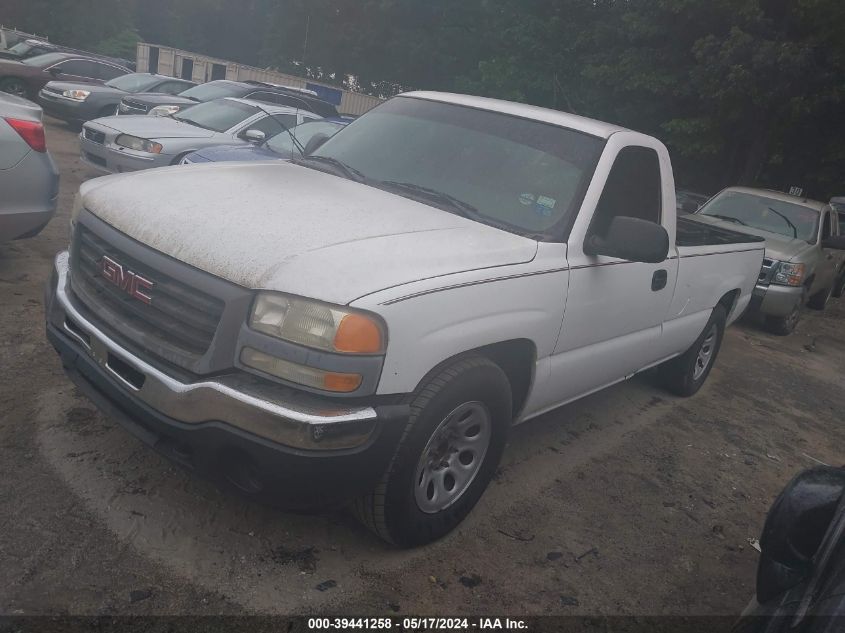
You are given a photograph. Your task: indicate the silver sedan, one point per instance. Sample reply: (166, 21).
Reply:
(29, 180)
(130, 143)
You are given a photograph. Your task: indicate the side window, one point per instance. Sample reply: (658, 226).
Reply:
(106, 71)
(273, 125)
(78, 67)
(633, 189)
(173, 87)
(841, 222)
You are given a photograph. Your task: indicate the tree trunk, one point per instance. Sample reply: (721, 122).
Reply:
(756, 154)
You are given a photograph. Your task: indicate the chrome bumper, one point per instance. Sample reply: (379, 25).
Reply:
(294, 419)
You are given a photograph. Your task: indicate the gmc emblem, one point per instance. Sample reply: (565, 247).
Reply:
(131, 283)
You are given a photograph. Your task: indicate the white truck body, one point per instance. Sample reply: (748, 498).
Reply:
(444, 285)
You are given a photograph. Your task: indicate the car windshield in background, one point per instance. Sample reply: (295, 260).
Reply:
(283, 143)
(135, 82)
(217, 115)
(21, 48)
(211, 91)
(44, 60)
(766, 214)
(518, 174)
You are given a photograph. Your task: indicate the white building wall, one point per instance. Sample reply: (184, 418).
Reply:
(170, 62)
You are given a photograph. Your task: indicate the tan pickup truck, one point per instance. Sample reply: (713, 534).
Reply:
(804, 261)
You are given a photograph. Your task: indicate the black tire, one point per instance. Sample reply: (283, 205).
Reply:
(179, 158)
(391, 510)
(839, 286)
(679, 374)
(819, 300)
(14, 86)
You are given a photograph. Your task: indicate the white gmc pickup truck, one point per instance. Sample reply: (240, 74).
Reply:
(366, 323)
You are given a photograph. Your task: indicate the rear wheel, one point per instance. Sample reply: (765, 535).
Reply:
(686, 374)
(447, 455)
(14, 86)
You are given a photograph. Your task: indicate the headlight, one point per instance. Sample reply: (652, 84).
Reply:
(76, 95)
(138, 144)
(300, 374)
(788, 274)
(318, 325)
(165, 110)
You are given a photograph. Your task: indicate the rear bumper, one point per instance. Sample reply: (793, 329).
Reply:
(29, 192)
(774, 300)
(297, 455)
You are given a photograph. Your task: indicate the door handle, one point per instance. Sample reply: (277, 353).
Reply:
(658, 279)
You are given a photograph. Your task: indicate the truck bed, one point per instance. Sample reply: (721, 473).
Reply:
(691, 232)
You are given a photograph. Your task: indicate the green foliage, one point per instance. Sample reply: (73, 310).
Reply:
(740, 90)
(123, 44)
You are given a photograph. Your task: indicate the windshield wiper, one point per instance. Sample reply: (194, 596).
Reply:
(726, 217)
(349, 172)
(787, 220)
(463, 208)
(189, 122)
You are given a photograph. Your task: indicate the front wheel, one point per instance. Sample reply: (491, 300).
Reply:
(448, 453)
(686, 374)
(14, 86)
(820, 299)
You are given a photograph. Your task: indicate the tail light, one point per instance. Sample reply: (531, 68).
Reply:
(30, 131)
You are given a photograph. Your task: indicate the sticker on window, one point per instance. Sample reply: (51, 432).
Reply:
(527, 199)
(544, 205)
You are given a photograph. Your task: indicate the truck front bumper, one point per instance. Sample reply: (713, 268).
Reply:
(294, 452)
(775, 300)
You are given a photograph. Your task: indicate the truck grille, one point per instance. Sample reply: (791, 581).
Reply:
(131, 107)
(766, 272)
(179, 318)
(94, 135)
(51, 90)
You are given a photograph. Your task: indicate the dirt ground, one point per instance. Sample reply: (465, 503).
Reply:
(630, 501)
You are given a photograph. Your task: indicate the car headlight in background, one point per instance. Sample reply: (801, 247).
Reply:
(76, 95)
(318, 325)
(165, 110)
(139, 144)
(788, 274)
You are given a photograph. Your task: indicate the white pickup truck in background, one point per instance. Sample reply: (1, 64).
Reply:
(366, 323)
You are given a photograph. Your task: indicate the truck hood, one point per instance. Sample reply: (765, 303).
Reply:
(778, 247)
(157, 127)
(281, 226)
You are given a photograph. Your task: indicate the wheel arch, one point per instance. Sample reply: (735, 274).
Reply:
(729, 301)
(517, 358)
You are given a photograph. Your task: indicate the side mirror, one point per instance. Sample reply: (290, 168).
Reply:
(631, 238)
(836, 242)
(315, 143)
(794, 529)
(55, 71)
(255, 136)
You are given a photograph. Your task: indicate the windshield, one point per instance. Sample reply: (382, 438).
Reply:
(217, 115)
(283, 144)
(136, 82)
(766, 214)
(21, 48)
(44, 60)
(212, 90)
(519, 174)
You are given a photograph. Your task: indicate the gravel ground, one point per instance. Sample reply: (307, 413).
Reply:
(630, 501)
